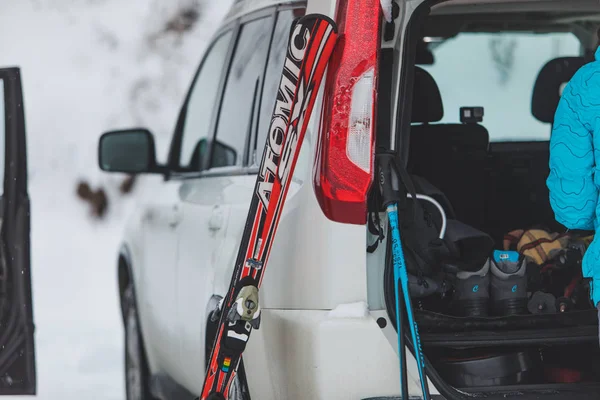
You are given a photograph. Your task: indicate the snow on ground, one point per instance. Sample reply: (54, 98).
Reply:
(87, 67)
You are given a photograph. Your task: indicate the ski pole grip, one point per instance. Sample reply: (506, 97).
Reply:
(389, 181)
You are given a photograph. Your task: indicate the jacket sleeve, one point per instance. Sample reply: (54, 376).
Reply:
(573, 193)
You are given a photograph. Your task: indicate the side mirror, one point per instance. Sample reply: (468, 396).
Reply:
(131, 151)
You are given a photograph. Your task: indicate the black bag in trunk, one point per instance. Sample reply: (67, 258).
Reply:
(427, 255)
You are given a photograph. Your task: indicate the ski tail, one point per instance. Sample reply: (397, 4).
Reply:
(310, 45)
(401, 274)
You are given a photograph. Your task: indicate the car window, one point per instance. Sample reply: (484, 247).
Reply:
(497, 71)
(239, 107)
(272, 78)
(201, 104)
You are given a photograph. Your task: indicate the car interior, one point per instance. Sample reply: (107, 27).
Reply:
(487, 81)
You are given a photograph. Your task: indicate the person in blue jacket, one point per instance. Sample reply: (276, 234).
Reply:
(574, 178)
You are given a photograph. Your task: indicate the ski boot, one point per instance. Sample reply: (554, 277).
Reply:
(508, 283)
(472, 292)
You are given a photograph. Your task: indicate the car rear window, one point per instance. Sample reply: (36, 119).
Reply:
(497, 71)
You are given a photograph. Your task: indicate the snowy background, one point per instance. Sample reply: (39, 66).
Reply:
(89, 66)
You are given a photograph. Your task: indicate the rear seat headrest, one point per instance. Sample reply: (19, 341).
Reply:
(547, 88)
(427, 102)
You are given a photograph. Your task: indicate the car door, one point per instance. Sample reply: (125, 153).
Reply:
(206, 253)
(155, 277)
(201, 216)
(168, 214)
(17, 353)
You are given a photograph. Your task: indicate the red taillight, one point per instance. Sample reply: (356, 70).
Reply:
(344, 167)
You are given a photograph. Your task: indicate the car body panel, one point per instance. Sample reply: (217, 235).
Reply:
(201, 235)
(152, 245)
(338, 354)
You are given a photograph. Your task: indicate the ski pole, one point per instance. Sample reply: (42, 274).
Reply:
(401, 346)
(393, 193)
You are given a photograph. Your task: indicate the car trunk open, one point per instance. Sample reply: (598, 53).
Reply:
(498, 187)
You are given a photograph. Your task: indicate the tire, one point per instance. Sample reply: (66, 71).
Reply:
(137, 376)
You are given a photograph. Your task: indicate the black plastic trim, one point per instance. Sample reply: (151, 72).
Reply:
(559, 336)
(406, 81)
(579, 391)
(384, 98)
(433, 397)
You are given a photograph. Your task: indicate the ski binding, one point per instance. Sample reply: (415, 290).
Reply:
(246, 307)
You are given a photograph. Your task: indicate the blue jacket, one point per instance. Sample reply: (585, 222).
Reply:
(574, 177)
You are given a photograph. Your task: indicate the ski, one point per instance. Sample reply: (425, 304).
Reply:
(311, 42)
(390, 187)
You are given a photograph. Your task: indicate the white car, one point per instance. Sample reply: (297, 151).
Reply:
(328, 314)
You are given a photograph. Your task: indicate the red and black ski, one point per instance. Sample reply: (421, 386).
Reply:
(310, 45)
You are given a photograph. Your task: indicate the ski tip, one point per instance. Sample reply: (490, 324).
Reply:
(323, 17)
